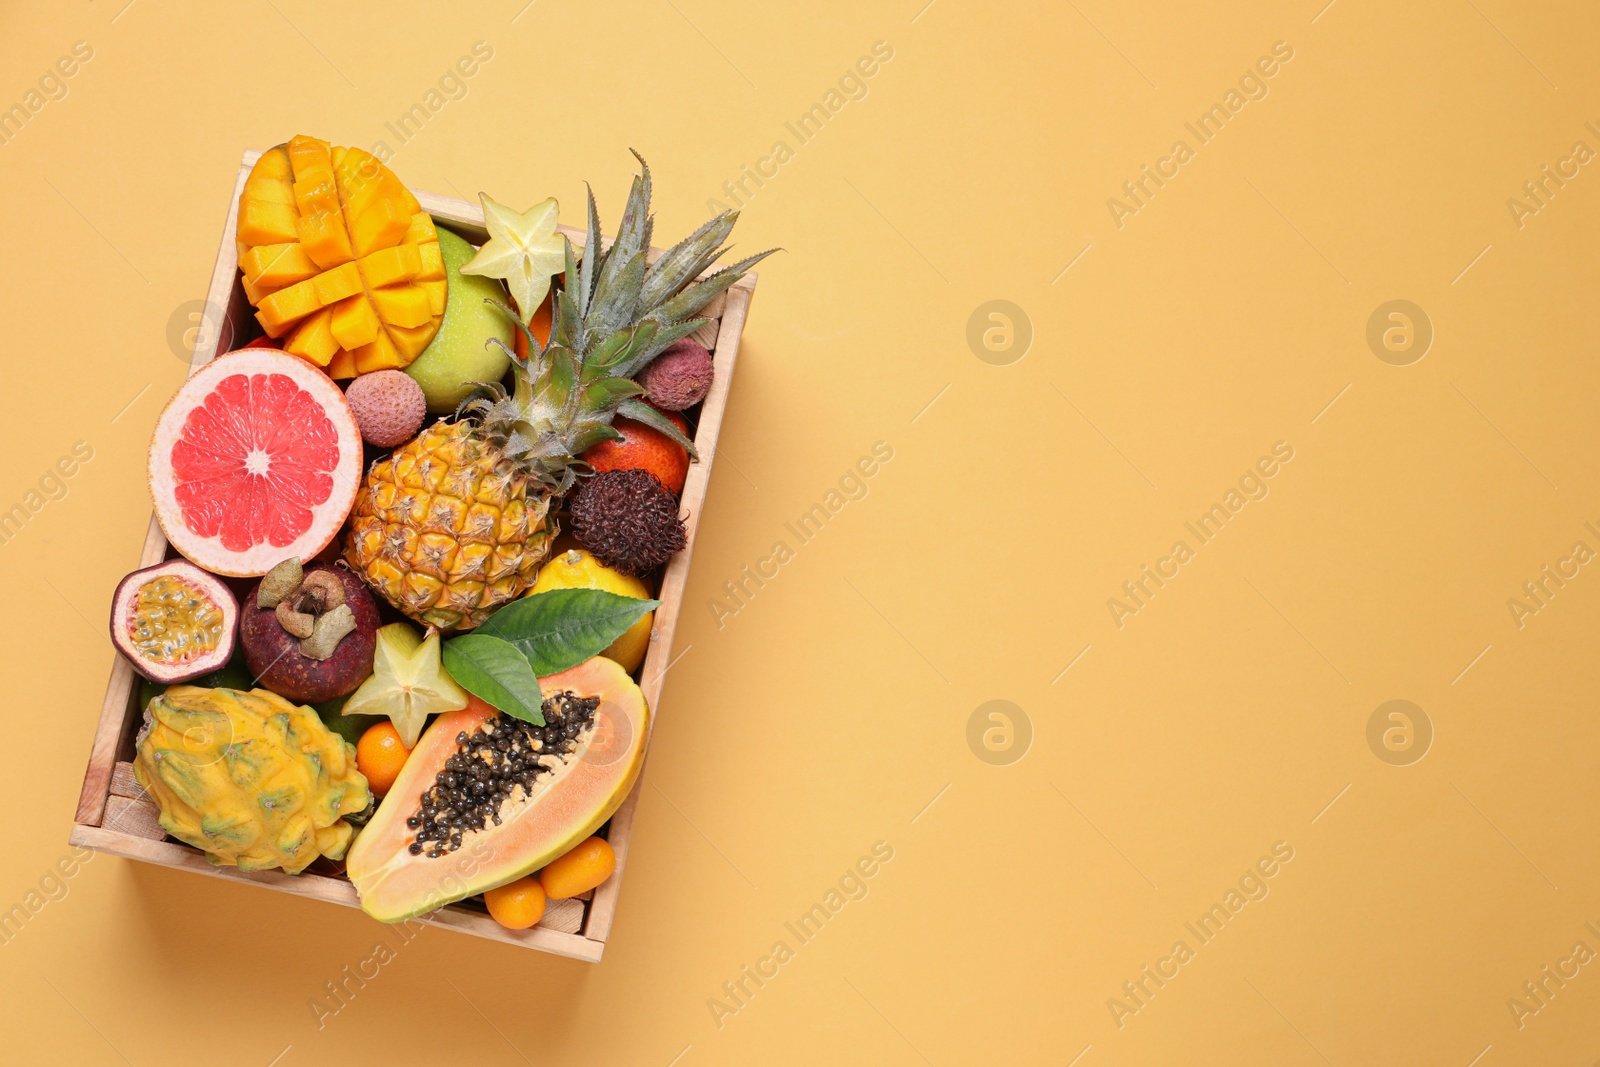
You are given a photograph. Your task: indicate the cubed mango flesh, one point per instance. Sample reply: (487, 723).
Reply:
(381, 354)
(275, 266)
(379, 226)
(334, 285)
(339, 258)
(313, 339)
(402, 305)
(437, 291)
(342, 365)
(355, 323)
(263, 222)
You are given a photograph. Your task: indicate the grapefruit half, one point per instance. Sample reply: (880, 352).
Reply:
(256, 459)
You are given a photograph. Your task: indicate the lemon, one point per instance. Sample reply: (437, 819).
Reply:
(577, 569)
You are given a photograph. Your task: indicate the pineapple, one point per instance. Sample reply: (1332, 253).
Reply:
(456, 523)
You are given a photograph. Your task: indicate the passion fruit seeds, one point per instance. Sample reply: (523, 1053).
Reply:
(173, 621)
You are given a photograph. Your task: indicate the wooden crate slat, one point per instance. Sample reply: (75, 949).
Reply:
(564, 915)
(123, 783)
(116, 718)
(135, 817)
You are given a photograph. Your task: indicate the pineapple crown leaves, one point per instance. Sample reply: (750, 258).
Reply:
(614, 313)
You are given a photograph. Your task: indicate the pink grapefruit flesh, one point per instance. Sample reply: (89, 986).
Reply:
(256, 459)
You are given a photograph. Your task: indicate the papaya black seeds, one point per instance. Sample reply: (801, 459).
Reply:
(492, 761)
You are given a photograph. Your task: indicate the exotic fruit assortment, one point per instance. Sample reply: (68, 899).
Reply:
(385, 665)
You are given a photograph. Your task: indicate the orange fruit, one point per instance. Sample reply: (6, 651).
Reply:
(517, 906)
(380, 755)
(642, 448)
(580, 870)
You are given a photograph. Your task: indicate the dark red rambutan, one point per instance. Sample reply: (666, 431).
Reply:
(628, 519)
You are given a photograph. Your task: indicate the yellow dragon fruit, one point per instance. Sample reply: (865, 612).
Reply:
(253, 780)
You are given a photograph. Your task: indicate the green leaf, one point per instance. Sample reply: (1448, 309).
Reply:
(684, 261)
(640, 353)
(561, 628)
(607, 393)
(591, 255)
(496, 671)
(639, 411)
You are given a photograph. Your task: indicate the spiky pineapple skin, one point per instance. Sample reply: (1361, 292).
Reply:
(447, 530)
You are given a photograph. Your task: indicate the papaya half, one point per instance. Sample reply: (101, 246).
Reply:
(485, 799)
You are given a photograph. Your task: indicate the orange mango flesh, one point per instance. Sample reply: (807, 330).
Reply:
(339, 259)
(567, 807)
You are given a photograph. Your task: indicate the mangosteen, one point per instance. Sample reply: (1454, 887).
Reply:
(309, 634)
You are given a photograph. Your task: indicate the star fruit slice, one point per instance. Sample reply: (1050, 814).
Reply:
(408, 682)
(523, 250)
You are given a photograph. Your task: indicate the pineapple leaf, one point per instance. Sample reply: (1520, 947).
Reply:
(567, 329)
(633, 232)
(616, 294)
(592, 435)
(511, 353)
(699, 295)
(560, 379)
(642, 339)
(571, 271)
(598, 363)
(639, 411)
(535, 351)
(639, 356)
(607, 393)
(743, 265)
(591, 255)
(516, 446)
(683, 262)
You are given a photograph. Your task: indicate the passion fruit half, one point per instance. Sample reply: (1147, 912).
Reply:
(174, 621)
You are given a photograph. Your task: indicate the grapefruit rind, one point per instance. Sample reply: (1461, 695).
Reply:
(567, 807)
(327, 510)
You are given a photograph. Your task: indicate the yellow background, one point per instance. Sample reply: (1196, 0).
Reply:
(1227, 715)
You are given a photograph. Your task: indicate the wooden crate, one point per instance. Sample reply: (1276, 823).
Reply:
(114, 816)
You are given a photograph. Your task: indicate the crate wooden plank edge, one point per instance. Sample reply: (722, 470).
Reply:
(664, 631)
(330, 890)
(103, 815)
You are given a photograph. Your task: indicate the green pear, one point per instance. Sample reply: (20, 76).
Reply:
(460, 355)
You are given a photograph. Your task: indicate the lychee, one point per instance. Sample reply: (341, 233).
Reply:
(388, 405)
(678, 378)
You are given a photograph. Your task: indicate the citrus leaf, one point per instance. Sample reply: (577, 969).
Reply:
(561, 628)
(497, 672)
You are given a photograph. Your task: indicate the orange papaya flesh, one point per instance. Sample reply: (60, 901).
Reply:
(545, 814)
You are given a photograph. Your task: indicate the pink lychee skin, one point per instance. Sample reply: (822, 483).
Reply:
(678, 378)
(388, 406)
